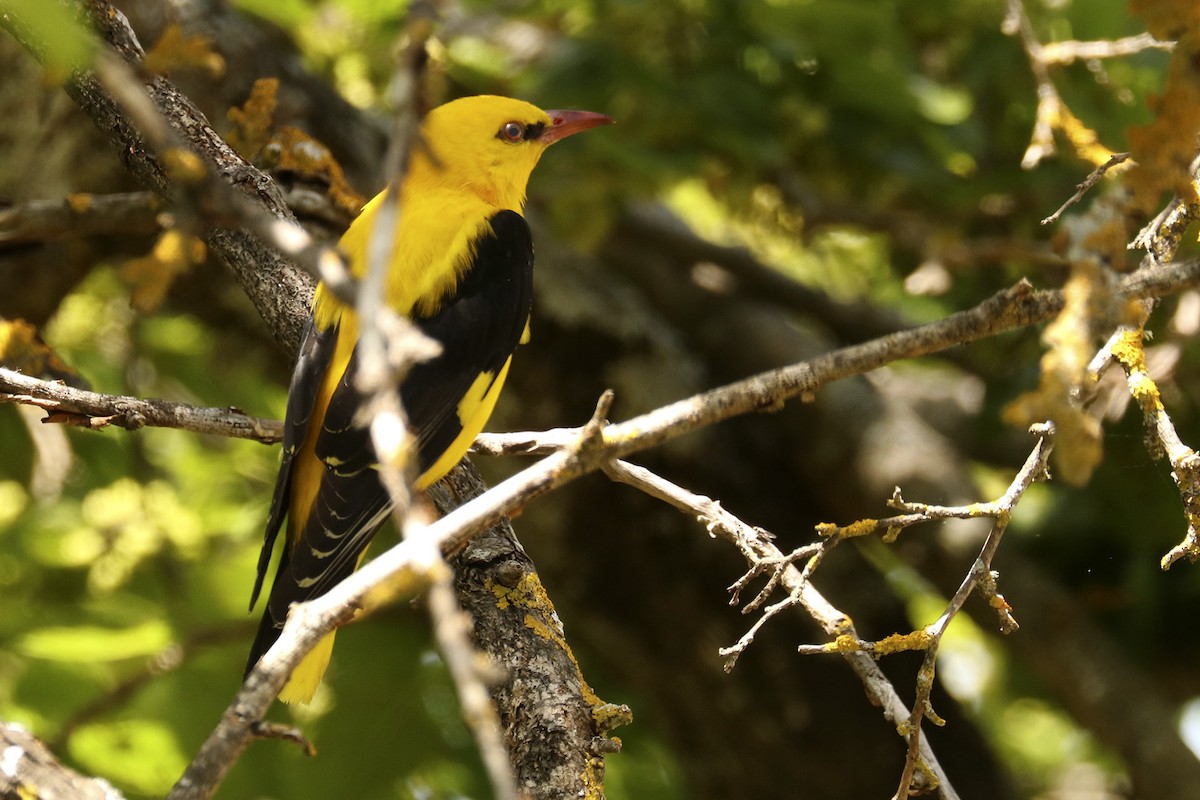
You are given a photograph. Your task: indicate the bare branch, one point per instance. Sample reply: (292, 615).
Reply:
(1009, 309)
(80, 215)
(71, 406)
(760, 552)
(555, 726)
(469, 669)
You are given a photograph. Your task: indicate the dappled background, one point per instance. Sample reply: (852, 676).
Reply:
(785, 178)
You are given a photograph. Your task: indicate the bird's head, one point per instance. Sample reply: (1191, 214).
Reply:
(491, 144)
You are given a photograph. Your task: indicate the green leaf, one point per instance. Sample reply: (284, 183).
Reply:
(68, 44)
(87, 643)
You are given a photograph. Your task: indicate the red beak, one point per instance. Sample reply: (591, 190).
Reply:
(566, 123)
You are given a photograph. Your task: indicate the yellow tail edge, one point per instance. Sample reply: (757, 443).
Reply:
(306, 677)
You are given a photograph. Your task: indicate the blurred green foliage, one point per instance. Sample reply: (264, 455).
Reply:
(842, 140)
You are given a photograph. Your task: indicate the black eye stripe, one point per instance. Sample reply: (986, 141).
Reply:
(514, 131)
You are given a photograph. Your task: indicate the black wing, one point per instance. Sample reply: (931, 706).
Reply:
(315, 354)
(478, 327)
(478, 330)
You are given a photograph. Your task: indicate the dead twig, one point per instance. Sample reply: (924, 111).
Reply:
(1091, 180)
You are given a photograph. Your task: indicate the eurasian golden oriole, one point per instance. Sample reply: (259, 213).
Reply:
(461, 269)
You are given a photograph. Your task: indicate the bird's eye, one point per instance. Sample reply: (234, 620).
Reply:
(511, 132)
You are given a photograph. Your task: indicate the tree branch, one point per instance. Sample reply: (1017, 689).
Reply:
(78, 215)
(71, 406)
(145, 147)
(762, 555)
(29, 771)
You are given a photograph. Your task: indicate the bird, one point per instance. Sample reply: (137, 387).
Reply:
(461, 269)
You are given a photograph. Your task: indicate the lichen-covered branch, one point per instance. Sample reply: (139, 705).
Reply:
(1127, 349)
(980, 576)
(554, 724)
(763, 556)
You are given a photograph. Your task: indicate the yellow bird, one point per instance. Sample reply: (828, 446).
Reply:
(461, 269)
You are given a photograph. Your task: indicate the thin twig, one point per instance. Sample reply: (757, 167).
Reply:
(265, 729)
(1001, 509)
(1091, 180)
(1068, 52)
(757, 549)
(388, 345)
(1052, 113)
(467, 667)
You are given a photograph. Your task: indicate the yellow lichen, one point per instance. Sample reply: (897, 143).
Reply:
(1085, 140)
(253, 120)
(540, 628)
(500, 592)
(931, 778)
(292, 150)
(593, 779)
(174, 50)
(1163, 148)
(611, 715)
(541, 618)
(1128, 350)
(901, 642)
(863, 527)
(79, 203)
(1070, 344)
(844, 643)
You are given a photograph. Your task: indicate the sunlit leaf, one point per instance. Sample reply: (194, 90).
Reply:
(88, 643)
(69, 46)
